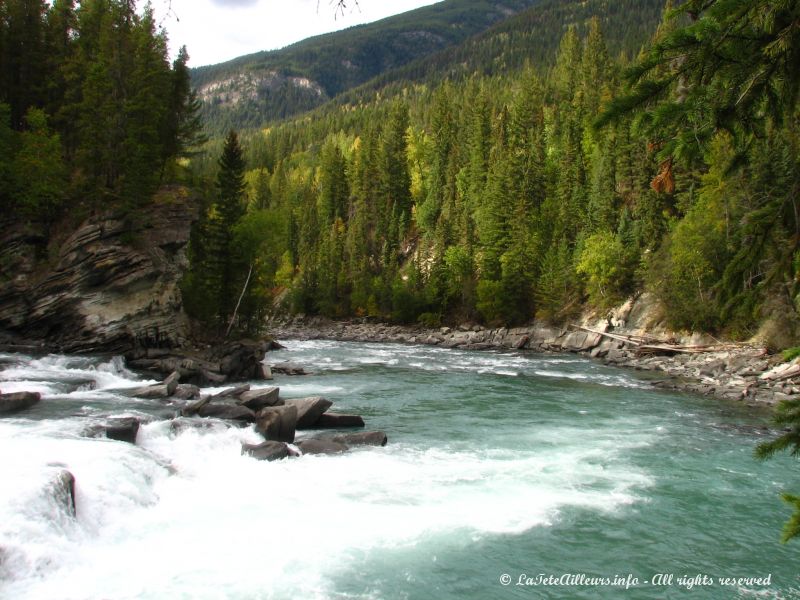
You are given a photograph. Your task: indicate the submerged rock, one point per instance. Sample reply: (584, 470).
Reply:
(11, 403)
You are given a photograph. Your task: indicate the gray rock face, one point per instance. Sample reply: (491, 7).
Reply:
(115, 283)
(11, 403)
(277, 423)
(309, 410)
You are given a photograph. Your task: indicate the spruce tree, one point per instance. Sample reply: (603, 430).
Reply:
(228, 209)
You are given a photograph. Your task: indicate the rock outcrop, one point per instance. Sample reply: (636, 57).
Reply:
(230, 361)
(112, 286)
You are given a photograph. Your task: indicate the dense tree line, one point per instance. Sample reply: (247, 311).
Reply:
(92, 112)
(492, 200)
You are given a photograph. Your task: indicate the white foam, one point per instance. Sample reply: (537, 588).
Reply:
(225, 521)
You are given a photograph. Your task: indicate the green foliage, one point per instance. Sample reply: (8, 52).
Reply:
(601, 261)
(787, 415)
(97, 114)
(791, 353)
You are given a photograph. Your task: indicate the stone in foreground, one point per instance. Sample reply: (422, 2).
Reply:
(10, 403)
(277, 423)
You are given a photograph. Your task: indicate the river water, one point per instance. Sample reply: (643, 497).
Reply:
(501, 467)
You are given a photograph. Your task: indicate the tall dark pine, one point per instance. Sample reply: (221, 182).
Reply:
(229, 208)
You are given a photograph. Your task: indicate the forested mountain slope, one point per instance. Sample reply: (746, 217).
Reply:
(256, 88)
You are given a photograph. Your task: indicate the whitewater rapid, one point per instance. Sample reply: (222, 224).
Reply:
(182, 514)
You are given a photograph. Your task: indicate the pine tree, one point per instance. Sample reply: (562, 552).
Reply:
(228, 209)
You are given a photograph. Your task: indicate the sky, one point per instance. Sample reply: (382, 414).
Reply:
(218, 30)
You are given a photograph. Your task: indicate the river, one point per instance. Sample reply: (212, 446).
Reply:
(501, 468)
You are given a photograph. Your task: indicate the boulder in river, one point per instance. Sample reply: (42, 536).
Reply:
(331, 420)
(231, 412)
(309, 410)
(187, 391)
(288, 368)
(362, 438)
(258, 399)
(277, 423)
(10, 403)
(317, 446)
(122, 429)
(269, 450)
(165, 389)
(62, 488)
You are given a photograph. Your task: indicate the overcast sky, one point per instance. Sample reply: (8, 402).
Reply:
(218, 30)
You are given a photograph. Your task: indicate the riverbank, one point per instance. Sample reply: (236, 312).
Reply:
(740, 373)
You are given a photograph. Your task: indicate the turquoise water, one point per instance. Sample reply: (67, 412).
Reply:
(498, 464)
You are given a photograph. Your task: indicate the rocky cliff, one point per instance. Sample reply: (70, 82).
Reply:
(111, 285)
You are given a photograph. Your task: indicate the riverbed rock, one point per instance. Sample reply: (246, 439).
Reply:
(309, 410)
(165, 389)
(258, 399)
(62, 489)
(213, 365)
(122, 429)
(227, 411)
(277, 423)
(288, 368)
(317, 446)
(331, 420)
(12, 403)
(186, 391)
(268, 450)
(362, 438)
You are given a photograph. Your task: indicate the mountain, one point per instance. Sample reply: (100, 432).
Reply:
(252, 89)
(531, 36)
